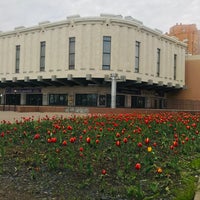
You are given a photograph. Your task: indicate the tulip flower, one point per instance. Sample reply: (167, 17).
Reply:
(88, 140)
(138, 166)
(118, 143)
(103, 172)
(36, 136)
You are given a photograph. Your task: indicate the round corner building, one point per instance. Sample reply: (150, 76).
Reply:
(105, 61)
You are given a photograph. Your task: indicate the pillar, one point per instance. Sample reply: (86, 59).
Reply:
(113, 90)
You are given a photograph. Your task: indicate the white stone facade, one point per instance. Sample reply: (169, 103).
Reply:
(88, 54)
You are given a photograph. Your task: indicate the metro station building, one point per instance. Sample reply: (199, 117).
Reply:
(89, 61)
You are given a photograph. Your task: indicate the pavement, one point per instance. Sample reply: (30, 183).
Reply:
(12, 116)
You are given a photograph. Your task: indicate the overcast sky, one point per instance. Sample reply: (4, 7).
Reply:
(160, 14)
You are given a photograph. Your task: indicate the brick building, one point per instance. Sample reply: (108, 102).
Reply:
(189, 34)
(189, 97)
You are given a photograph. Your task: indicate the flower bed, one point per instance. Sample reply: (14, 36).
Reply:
(125, 156)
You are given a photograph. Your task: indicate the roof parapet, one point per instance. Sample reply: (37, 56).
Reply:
(111, 16)
(43, 23)
(73, 17)
(19, 28)
(158, 31)
(133, 19)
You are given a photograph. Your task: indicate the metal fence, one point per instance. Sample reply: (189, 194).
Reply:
(180, 104)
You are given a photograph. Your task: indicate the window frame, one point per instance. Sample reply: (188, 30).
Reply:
(17, 59)
(175, 66)
(137, 56)
(158, 62)
(42, 55)
(106, 53)
(72, 46)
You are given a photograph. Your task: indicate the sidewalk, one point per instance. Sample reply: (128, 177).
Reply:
(13, 116)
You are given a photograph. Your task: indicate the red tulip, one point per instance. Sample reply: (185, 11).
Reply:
(118, 143)
(88, 140)
(194, 125)
(53, 140)
(72, 140)
(188, 127)
(49, 140)
(103, 172)
(69, 128)
(37, 136)
(175, 143)
(139, 144)
(138, 166)
(125, 140)
(154, 144)
(175, 135)
(147, 141)
(117, 134)
(2, 134)
(64, 143)
(97, 141)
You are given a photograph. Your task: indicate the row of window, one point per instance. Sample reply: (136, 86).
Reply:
(84, 100)
(106, 56)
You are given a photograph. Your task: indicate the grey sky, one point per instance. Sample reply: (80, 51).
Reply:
(160, 14)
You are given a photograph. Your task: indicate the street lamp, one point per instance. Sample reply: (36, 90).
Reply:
(114, 78)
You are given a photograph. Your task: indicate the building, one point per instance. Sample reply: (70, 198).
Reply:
(189, 34)
(93, 61)
(189, 97)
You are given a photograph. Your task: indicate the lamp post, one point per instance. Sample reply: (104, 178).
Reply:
(114, 78)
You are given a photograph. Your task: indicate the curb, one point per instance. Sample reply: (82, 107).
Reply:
(197, 194)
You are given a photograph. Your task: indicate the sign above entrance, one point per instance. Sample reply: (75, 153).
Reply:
(22, 90)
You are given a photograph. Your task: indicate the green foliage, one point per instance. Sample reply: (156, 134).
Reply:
(187, 190)
(144, 155)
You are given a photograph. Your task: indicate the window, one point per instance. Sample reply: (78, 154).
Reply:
(58, 99)
(34, 99)
(86, 99)
(42, 56)
(175, 64)
(72, 53)
(120, 100)
(137, 102)
(137, 56)
(106, 52)
(158, 62)
(17, 61)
